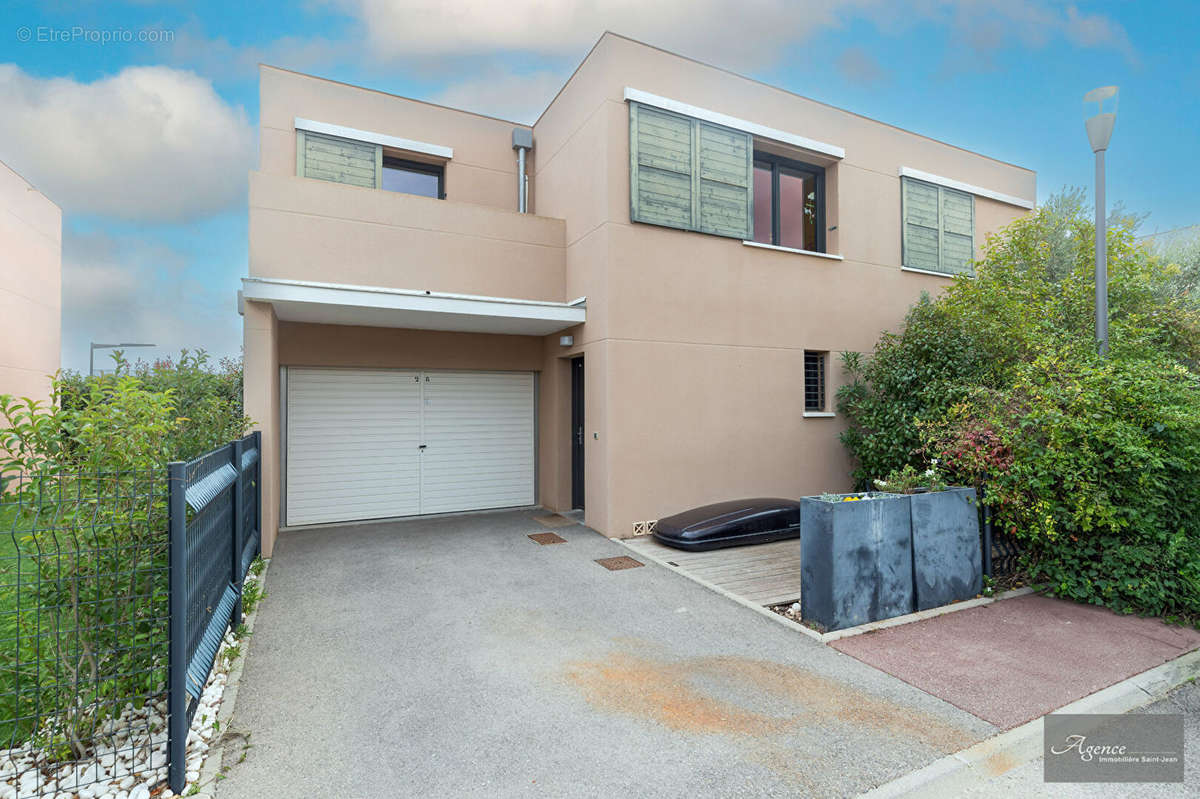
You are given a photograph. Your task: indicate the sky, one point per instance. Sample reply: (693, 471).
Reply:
(140, 119)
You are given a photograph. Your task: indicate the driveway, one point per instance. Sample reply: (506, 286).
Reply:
(455, 657)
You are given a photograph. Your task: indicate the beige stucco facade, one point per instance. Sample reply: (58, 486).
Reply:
(30, 288)
(693, 344)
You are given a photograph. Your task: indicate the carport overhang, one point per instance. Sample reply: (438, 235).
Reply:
(374, 306)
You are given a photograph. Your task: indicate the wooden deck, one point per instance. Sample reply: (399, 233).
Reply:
(766, 574)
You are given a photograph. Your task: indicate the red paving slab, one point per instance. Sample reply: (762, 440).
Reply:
(1018, 659)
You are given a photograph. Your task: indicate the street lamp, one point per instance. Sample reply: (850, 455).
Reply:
(98, 346)
(1099, 131)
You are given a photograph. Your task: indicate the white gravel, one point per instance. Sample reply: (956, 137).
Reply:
(130, 760)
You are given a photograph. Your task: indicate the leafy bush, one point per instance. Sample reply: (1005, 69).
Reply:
(1093, 462)
(83, 574)
(207, 397)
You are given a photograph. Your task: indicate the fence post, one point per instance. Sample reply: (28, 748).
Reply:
(987, 531)
(258, 488)
(239, 533)
(177, 703)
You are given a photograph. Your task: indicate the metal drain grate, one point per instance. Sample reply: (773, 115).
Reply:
(547, 538)
(619, 563)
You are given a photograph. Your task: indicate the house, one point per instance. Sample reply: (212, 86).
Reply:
(30, 288)
(649, 320)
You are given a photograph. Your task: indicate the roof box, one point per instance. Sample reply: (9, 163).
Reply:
(731, 524)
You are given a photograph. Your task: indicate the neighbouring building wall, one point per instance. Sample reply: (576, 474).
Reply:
(695, 343)
(30, 287)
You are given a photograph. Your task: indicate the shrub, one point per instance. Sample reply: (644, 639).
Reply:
(83, 573)
(1093, 462)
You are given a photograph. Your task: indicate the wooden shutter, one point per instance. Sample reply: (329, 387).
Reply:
(689, 174)
(958, 232)
(660, 173)
(347, 161)
(920, 210)
(724, 181)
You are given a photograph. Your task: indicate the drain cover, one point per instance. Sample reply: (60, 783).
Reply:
(548, 538)
(553, 520)
(616, 564)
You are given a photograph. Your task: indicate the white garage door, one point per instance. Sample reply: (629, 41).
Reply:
(372, 444)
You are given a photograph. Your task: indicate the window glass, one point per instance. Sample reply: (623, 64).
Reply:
(410, 179)
(763, 210)
(788, 203)
(797, 210)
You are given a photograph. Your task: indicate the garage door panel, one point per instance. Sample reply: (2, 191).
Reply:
(479, 437)
(353, 439)
(354, 436)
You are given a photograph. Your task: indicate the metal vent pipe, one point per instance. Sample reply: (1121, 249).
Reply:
(522, 141)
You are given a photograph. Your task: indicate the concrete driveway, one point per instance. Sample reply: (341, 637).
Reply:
(455, 657)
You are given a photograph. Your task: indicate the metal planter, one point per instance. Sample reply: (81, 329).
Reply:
(947, 564)
(856, 560)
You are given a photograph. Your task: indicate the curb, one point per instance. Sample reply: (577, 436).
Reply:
(825, 638)
(952, 775)
(213, 765)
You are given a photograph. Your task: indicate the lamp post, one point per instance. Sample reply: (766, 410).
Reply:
(1099, 131)
(98, 346)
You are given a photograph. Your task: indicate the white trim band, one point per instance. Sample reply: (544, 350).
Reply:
(829, 255)
(819, 414)
(950, 183)
(718, 118)
(436, 150)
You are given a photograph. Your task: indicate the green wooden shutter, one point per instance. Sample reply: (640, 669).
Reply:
(921, 238)
(688, 174)
(660, 167)
(939, 228)
(958, 232)
(340, 160)
(724, 180)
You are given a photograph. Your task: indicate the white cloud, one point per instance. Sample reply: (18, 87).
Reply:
(744, 34)
(740, 34)
(146, 144)
(128, 288)
(498, 92)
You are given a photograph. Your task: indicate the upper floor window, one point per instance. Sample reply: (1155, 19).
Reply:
(789, 203)
(412, 177)
(939, 228)
(366, 164)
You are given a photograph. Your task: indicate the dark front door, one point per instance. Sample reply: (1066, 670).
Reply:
(577, 432)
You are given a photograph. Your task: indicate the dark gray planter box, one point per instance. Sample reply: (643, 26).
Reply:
(946, 553)
(855, 560)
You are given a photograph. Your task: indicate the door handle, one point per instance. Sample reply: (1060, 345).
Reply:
(421, 446)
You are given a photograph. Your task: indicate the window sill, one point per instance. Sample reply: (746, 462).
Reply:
(947, 275)
(760, 245)
(819, 414)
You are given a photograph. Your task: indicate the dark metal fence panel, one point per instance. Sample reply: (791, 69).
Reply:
(1001, 549)
(252, 535)
(211, 498)
(83, 626)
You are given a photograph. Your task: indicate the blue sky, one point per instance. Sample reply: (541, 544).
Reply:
(139, 118)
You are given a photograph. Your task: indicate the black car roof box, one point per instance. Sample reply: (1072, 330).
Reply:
(730, 524)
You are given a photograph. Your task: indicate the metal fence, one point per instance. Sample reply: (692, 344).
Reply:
(1001, 550)
(115, 593)
(83, 625)
(215, 533)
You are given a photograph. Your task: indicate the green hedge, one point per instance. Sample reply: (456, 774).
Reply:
(1094, 463)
